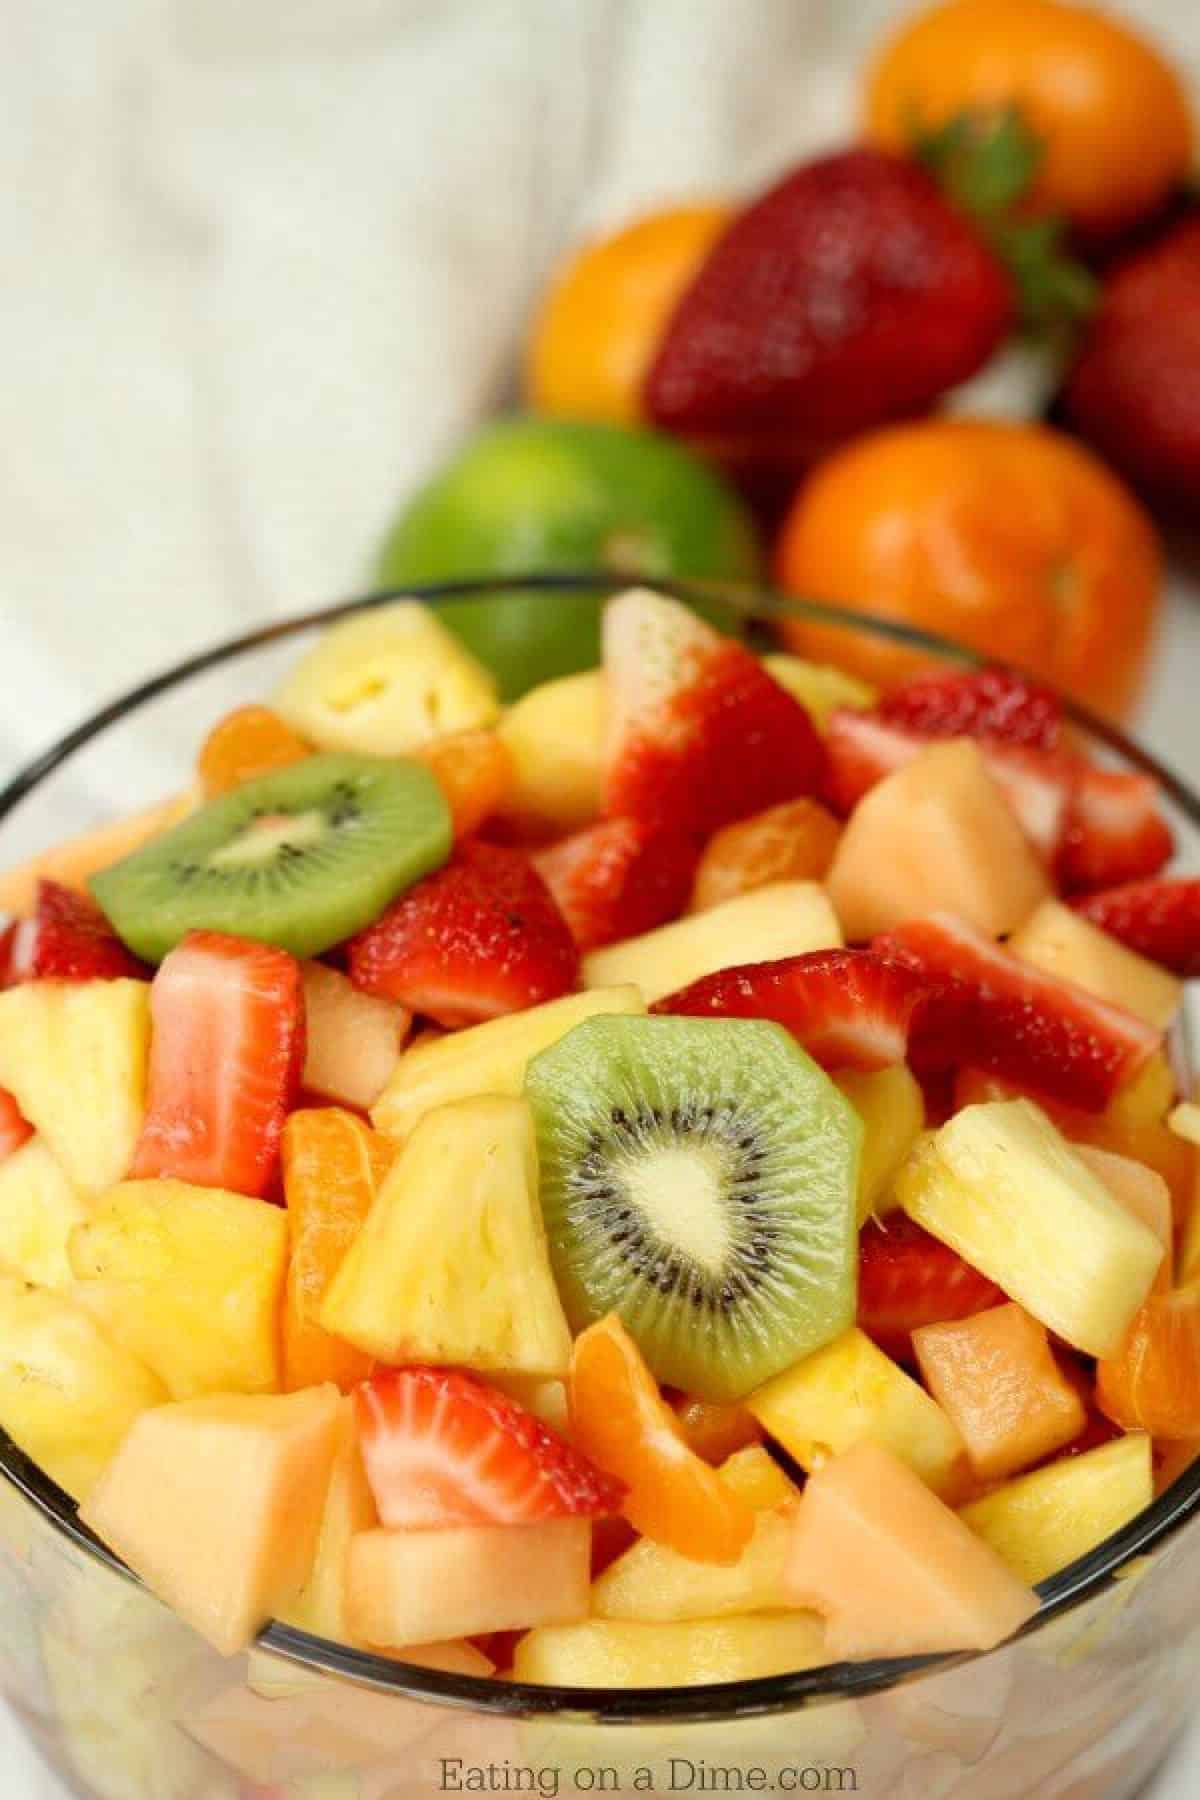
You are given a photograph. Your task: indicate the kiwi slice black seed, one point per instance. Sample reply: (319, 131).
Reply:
(698, 1177)
(301, 858)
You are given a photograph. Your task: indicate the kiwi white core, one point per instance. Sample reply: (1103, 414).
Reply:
(264, 836)
(679, 1192)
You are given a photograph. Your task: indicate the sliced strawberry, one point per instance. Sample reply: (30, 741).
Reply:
(907, 1279)
(67, 938)
(618, 878)
(1158, 919)
(978, 703)
(15, 1128)
(1115, 831)
(699, 732)
(226, 1052)
(848, 1008)
(441, 1449)
(481, 937)
(8, 939)
(989, 1010)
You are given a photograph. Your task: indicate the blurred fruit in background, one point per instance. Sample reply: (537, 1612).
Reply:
(1111, 113)
(1010, 538)
(1134, 391)
(529, 495)
(600, 323)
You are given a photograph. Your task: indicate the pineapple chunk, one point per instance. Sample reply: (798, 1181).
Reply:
(486, 1059)
(1070, 947)
(851, 1393)
(786, 918)
(627, 1653)
(385, 682)
(39, 1209)
(353, 1040)
(819, 687)
(555, 737)
(652, 1582)
(1044, 1520)
(74, 1056)
(190, 1280)
(216, 1503)
(545, 1399)
(320, 1606)
(1002, 1186)
(451, 1264)
(417, 1587)
(67, 1394)
(892, 1108)
(71, 863)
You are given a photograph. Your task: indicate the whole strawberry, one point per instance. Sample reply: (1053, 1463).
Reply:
(851, 293)
(1134, 390)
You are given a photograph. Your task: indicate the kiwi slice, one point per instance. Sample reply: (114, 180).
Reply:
(698, 1177)
(301, 858)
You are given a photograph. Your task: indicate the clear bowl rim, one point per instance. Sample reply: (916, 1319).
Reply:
(1061, 1593)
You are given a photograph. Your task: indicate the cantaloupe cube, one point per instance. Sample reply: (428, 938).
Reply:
(451, 1264)
(1003, 1187)
(1066, 945)
(412, 1587)
(39, 1209)
(486, 1059)
(892, 1108)
(786, 918)
(216, 1503)
(624, 1653)
(555, 737)
(891, 1569)
(320, 1606)
(851, 1393)
(352, 1041)
(70, 863)
(1044, 1520)
(652, 1582)
(995, 1376)
(189, 1279)
(937, 834)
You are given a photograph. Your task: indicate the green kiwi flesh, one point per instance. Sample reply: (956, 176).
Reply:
(301, 858)
(698, 1177)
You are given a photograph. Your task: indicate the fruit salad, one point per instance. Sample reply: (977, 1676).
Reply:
(677, 1179)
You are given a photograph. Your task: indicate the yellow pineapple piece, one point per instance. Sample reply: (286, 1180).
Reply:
(651, 1582)
(73, 1055)
(627, 1653)
(217, 1502)
(1003, 1187)
(892, 1108)
(39, 1209)
(786, 918)
(555, 737)
(71, 863)
(486, 1059)
(320, 1606)
(68, 1394)
(385, 682)
(451, 1263)
(1070, 947)
(819, 687)
(1042, 1521)
(190, 1280)
(851, 1393)
(545, 1398)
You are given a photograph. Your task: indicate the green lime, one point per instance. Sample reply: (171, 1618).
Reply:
(527, 495)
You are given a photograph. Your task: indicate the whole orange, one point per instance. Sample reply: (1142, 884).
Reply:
(1112, 114)
(1010, 538)
(600, 322)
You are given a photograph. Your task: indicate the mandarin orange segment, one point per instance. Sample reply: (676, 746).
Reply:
(792, 842)
(1153, 1383)
(246, 743)
(474, 770)
(620, 1420)
(333, 1165)
(715, 1431)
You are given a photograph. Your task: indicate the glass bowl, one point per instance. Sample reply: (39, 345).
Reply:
(129, 1704)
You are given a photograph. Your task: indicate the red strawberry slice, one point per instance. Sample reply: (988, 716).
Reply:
(978, 703)
(15, 1128)
(67, 938)
(848, 1008)
(907, 1279)
(479, 938)
(226, 1052)
(1158, 919)
(618, 878)
(988, 1010)
(1115, 831)
(8, 939)
(441, 1449)
(699, 732)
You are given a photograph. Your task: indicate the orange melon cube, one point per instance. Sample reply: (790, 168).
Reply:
(71, 862)
(1153, 1382)
(996, 1377)
(891, 1568)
